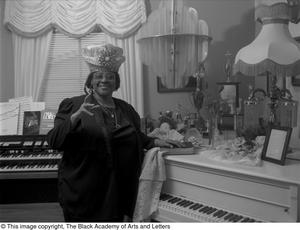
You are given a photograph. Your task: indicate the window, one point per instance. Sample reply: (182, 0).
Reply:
(66, 71)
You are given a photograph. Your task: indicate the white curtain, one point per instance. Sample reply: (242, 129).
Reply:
(131, 88)
(32, 23)
(30, 63)
(76, 18)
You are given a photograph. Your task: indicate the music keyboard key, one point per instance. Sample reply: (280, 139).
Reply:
(165, 197)
(193, 211)
(188, 204)
(171, 200)
(203, 209)
(193, 206)
(217, 213)
(183, 202)
(197, 206)
(222, 214)
(175, 200)
(211, 211)
(228, 217)
(238, 218)
(232, 218)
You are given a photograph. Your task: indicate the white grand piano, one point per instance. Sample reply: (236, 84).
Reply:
(201, 190)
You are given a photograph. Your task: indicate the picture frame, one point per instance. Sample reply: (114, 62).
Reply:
(230, 122)
(276, 144)
(189, 87)
(31, 122)
(229, 97)
(296, 79)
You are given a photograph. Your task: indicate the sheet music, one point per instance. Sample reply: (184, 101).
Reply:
(25, 105)
(37, 106)
(9, 118)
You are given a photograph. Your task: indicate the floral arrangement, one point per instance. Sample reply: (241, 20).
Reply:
(252, 132)
(211, 105)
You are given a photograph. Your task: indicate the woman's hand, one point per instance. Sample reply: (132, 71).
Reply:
(84, 108)
(168, 143)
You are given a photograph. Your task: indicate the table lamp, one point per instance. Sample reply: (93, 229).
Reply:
(275, 54)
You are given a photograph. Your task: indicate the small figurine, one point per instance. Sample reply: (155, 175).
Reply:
(228, 66)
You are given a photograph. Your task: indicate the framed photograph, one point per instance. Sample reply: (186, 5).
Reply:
(31, 123)
(229, 95)
(296, 81)
(230, 122)
(276, 144)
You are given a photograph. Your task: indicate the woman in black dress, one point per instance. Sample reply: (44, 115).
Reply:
(102, 143)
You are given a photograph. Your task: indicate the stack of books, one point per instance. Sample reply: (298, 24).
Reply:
(187, 149)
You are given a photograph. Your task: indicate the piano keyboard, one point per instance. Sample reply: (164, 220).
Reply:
(179, 209)
(27, 154)
(28, 166)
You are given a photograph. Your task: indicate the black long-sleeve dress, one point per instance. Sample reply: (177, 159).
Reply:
(99, 171)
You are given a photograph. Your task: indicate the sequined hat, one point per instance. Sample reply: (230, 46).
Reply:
(105, 58)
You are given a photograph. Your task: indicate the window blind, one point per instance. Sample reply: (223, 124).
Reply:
(66, 71)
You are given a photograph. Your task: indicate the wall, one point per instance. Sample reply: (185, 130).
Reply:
(6, 60)
(232, 26)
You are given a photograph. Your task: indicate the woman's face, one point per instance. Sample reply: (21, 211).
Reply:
(104, 83)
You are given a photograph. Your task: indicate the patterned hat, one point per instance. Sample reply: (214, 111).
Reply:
(105, 58)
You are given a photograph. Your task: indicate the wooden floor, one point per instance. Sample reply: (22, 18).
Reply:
(33, 212)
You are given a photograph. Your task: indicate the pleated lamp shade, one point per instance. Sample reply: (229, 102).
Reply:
(173, 42)
(272, 53)
(274, 50)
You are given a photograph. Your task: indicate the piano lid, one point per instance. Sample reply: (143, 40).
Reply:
(288, 173)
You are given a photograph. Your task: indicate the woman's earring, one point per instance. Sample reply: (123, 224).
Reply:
(91, 90)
